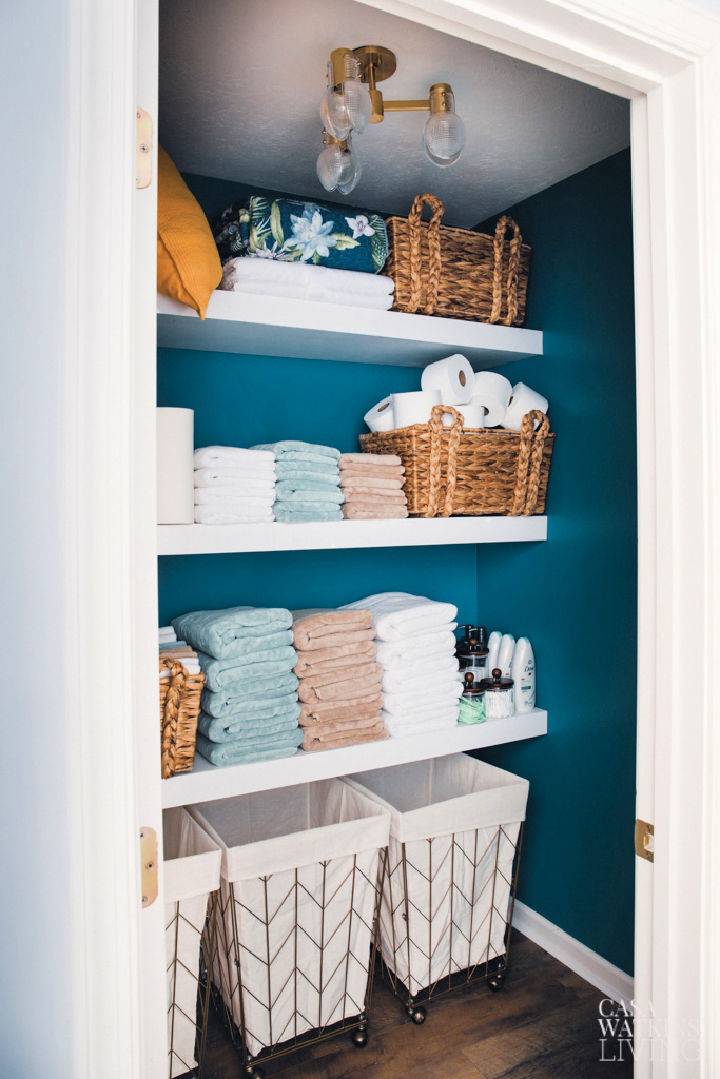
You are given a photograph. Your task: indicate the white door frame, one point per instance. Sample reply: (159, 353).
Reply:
(666, 59)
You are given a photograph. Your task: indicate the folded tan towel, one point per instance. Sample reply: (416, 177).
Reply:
(383, 460)
(353, 481)
(352, 512)
(320, 628)
(319, 660)
(376, 735)
(345, 727)
(374, 471)
(348, 690)
(379, 498)
(331, 711)
(359, 671)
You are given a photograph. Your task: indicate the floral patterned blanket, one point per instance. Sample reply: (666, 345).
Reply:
(298, 231)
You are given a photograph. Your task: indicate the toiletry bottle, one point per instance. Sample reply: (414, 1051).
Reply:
(523, 674)
(505, 656)
(493, 649)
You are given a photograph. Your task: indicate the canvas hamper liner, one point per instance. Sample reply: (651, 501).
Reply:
(191, 871)
(454, 827)
(298, 902)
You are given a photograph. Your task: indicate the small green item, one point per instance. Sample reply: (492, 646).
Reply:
(471, 711)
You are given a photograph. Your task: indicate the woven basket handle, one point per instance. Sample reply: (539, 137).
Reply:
(527, 480)
(436, 441)
(513, 274)
(178, 676)
(435, 257)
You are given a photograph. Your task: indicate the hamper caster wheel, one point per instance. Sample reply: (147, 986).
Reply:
(496, 982)
(416, 1013)
(360, 1036)
(253, 1072)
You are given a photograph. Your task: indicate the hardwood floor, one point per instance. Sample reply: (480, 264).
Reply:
(543, 1024)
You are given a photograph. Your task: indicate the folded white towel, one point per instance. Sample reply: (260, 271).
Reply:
(397, 615)
(404, 680)
(167, 633)
(220, 515)
(422, 703)
(305, 292)
(235, 457)
(402, 728)
(413, 649)
(191, 666)
(241, 272)
(231, 496)
(257, 481)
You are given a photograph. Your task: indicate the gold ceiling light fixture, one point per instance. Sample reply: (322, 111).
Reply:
(352, 101)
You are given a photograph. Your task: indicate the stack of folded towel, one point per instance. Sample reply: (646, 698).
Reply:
(303, 281)
(249, 705)
(308, 481)
(339, 689)
(373, 485)
(416, 648)
(171, 648)
(233, 486)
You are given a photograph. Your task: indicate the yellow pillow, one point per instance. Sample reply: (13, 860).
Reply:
(188, 264)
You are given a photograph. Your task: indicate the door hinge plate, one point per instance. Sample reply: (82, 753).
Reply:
(143, 148)
(148, 866)
(645, 840)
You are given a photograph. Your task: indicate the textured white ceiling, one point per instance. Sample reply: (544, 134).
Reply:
(241, 82)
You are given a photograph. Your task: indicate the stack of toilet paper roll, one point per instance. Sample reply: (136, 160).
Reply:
(484, 399)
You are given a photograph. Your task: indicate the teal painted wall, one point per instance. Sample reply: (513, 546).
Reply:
(575, 596)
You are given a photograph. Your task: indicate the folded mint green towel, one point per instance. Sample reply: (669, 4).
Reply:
(308, 470)
(223, 673)
(236, 727)
(291, 449)
(266, 709)
(222, 634)
(225, 702)
(309, 492)
(225, 753)
(303, 512)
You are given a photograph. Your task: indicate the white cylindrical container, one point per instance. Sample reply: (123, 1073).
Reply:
(494, 641)
(523, 676)
(175, 466)
(452, 377)
(415, 407)
(380, 416)
(473, 415)
(523, 400)
(493, 392)
(498, 696)
(505, 655)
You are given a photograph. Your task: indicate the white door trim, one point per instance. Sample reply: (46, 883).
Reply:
(636, 47)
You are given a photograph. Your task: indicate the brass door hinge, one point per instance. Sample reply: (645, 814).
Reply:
(143, 148)
(645, 840)
(148, 866)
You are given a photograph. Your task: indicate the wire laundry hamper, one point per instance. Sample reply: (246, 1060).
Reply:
(296, 938)
(450, 876)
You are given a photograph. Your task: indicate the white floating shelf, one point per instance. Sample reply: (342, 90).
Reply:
(268, 326)
(335, 535)
(206, 783)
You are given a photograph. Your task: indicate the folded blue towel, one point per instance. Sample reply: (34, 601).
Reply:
(268, 708)
(226, 702)
(300, 512)
(244, 753)
(292, 450)
(222, 634)
(236, 727)
(309, 492)
(308, 470)
(222, 673)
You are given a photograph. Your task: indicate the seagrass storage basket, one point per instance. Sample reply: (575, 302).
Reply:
(454, 472)
(457, 273)
(179, 711)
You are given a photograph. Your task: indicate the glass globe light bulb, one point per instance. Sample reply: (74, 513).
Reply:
(352, 171)
(444, 137)
(335, 115)
(359, 106)
(329, 167)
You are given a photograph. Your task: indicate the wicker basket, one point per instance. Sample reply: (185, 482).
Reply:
(454, 472)
(179, 711)
(457, 273)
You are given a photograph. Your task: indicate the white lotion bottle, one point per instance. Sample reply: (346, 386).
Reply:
(505, 655)
(493, 651)
(523, 676)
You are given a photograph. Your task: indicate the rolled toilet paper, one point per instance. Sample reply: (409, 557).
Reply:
(473, 415)
(380, 417)
(523, 400)
(493, 392)
(452, 377)
(175, 466)
(410, 408)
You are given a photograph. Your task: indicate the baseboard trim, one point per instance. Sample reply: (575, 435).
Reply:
(609, 979)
